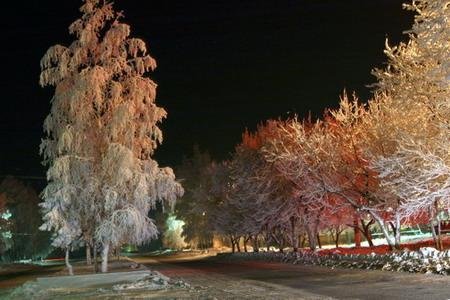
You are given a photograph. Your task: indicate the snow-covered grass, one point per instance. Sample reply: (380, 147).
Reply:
(113, 285)
(426, 260)
(382, 241)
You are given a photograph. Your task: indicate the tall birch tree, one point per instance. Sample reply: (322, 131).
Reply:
(100, 136)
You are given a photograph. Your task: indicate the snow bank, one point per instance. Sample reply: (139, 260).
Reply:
(154, 281)
(94, 285)
(426, 260)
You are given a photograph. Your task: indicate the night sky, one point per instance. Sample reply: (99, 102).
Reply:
(223, 65)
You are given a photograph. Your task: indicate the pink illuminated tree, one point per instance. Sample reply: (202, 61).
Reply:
(101, 133)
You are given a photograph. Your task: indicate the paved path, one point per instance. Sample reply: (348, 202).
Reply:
(216, 278)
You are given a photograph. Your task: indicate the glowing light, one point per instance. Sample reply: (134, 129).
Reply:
(6, 215)
(174, 224)
(173, 235)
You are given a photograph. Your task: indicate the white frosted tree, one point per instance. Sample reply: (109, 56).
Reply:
(291, 182)
(411, 113)
(101, 133)
(418, 72)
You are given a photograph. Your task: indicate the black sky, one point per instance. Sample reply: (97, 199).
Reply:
(223, 65)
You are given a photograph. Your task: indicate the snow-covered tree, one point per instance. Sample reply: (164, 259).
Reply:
(296, 191)
(327, 164)
(411, 112)
(259, 195)
(352, 176)
(247, 192)
(418, 72)
(101, 134)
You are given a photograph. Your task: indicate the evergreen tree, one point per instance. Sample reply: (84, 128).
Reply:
(196, 205)
(20, 221)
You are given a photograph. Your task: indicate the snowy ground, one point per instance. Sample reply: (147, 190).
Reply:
(203, 276)
(110, 286)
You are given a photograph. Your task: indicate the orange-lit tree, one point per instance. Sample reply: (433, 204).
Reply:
(411, 113)
(101, 133)
(352, 175)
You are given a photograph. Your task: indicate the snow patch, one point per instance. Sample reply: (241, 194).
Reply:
(154, 281)
(151, 281)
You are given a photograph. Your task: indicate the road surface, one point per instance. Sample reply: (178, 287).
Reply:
(216, 278)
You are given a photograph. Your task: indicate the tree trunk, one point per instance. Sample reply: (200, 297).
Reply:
(282, 244)
(384, 229)
(433, 232)
(255, 244)
(95, 258)
(338, 234)
(302, 241)
(105, 253)
(366, 231)
(439, 235)
(88, 255)
(294, 234)
(357, 233)
(363, 229)
(368, 236)
(237, 244)
(117, 252)
(318, 241)
(397, 231)
(68, 265)
(245, 243)
(312, 239)
(233, 249)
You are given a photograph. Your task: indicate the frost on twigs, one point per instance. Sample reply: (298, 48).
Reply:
(101, 133)
(386, 162)
(410, 115)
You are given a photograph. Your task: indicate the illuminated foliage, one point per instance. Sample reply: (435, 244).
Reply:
(101, 133)
(413, 99)
(388, 161)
